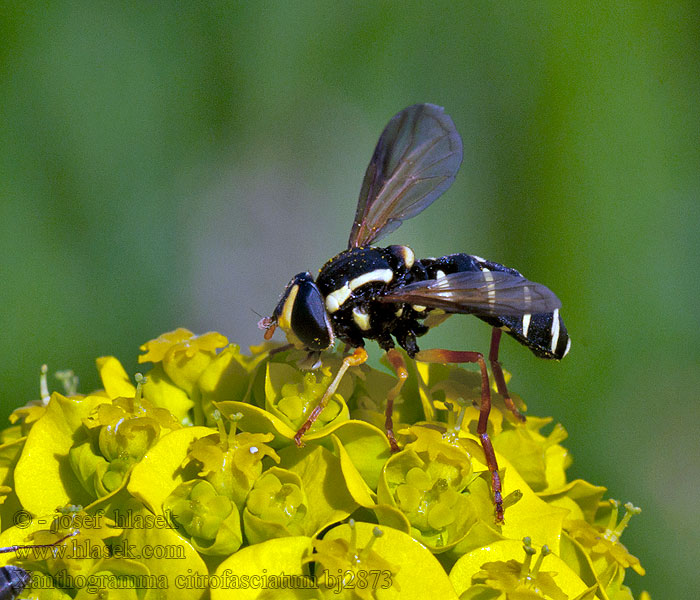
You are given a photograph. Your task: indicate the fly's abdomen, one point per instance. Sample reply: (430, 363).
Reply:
(544, 334)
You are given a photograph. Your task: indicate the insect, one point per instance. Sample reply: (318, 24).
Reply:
(14, 579)
(388, 295)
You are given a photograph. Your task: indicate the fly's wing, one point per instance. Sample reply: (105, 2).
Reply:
(483, 293)
(416, 160)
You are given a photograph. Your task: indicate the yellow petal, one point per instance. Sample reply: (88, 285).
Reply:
(419, 575)
(470, 564)
(258, 563)
(159, 473)
(43, 477)
(114, 378)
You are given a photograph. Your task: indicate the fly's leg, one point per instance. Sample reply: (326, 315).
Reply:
(280, 349)
(356, 358)
(453, 356)
(398, 364)
(498, 374)
(30, 546)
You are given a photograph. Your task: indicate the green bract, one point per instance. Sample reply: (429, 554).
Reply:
(187, 483)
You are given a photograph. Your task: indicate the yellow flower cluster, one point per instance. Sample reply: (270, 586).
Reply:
(187, 483)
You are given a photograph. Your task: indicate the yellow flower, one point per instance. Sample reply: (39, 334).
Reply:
(184, 355)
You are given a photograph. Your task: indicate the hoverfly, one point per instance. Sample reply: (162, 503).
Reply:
(390, 296)
(14, 579)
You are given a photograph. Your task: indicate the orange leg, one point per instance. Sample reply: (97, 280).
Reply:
(29, 546)
(498, 375)
(452, 356)
(396, 360)
(356, 358)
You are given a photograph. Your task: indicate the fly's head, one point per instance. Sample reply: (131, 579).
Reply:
(301, 314)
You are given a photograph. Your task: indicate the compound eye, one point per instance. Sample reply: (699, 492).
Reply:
(309, 319)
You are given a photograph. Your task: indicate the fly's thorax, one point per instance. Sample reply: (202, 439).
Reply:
(347, 272)
(353, 280)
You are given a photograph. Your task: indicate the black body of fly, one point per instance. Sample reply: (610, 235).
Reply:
(365, 314)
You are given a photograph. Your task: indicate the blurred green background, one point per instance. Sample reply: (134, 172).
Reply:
(174, 164)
